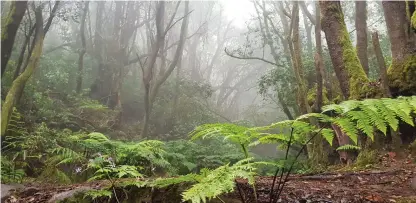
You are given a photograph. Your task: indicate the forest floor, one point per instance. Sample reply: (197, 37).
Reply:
(389, 181)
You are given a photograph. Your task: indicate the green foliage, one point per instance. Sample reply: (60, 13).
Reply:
(401, 75)
(366, 157)
(106, 169)
(348, 147)
(188, 157)
(352, 117)
(8, 172)
(240, 135)
(94, 194)
(219, 181)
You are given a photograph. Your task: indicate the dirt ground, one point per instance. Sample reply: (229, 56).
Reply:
(391, 181)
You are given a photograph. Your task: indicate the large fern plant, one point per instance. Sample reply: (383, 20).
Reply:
(352, 117)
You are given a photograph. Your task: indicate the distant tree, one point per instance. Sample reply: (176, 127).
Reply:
(19, 84)
(9, 25)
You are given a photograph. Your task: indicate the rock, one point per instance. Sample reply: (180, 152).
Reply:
(67, 194)
(6, 190)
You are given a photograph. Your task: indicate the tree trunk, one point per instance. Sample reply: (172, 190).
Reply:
(285, 107)
(22, 53)
(361, 29)
(401, 74)
(297, 62)
(352, 78)
(150, 66)
(9, 27)
(178, 54)
(20, 82)
(319, 66)
(381, 63)
(83, 48)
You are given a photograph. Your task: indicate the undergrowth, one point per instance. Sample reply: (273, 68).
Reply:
(209, 163)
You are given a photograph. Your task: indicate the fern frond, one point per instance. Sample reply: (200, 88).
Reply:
(332, 107)
(401, 108)
(348, 148)
(369, 107)
(349, 105)
(94, 194)
(328, 134)
(273, 138)
(348, 128)
(218, 181)
(363, 122)
(322, 117)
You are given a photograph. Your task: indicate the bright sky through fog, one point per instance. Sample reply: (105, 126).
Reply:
(239, 11)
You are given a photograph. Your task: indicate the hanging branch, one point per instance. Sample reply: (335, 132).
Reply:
(250, 57)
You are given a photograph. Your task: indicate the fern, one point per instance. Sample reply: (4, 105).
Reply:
(328, 134)
(165, 182)
(348, 148)
(219, 181)
(94, 194)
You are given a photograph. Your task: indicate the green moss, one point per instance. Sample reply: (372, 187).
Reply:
(311, 96)
(401, 76)
(366, 158)
(19, 84)
(358, 81)
(5, 21)
(407, 200)
(413, 20)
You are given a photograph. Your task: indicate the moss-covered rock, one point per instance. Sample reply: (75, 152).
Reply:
(401, 76)
(366, 157)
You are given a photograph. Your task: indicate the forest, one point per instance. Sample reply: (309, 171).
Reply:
(220, 101)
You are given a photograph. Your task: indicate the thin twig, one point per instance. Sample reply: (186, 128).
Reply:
(239, 192)
(277, 170)
(293, 163)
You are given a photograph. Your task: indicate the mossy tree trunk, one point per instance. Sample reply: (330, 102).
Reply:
(352, 78)
(297, 62)
(10, 24)
(401, 74)
(361, 30)
(19, 84)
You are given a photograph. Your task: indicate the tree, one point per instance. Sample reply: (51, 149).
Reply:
(19, 84)
(401, 74)
(381, 63)
(151, 82)
(9, 27)
(352, 78)
(83, 48)
(361, 29)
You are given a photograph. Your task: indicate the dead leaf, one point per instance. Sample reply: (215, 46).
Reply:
(374, 198)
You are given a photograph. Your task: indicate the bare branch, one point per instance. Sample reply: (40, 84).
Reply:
(166, 31)
(173, 16)
(250, 57)
(307, 13)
